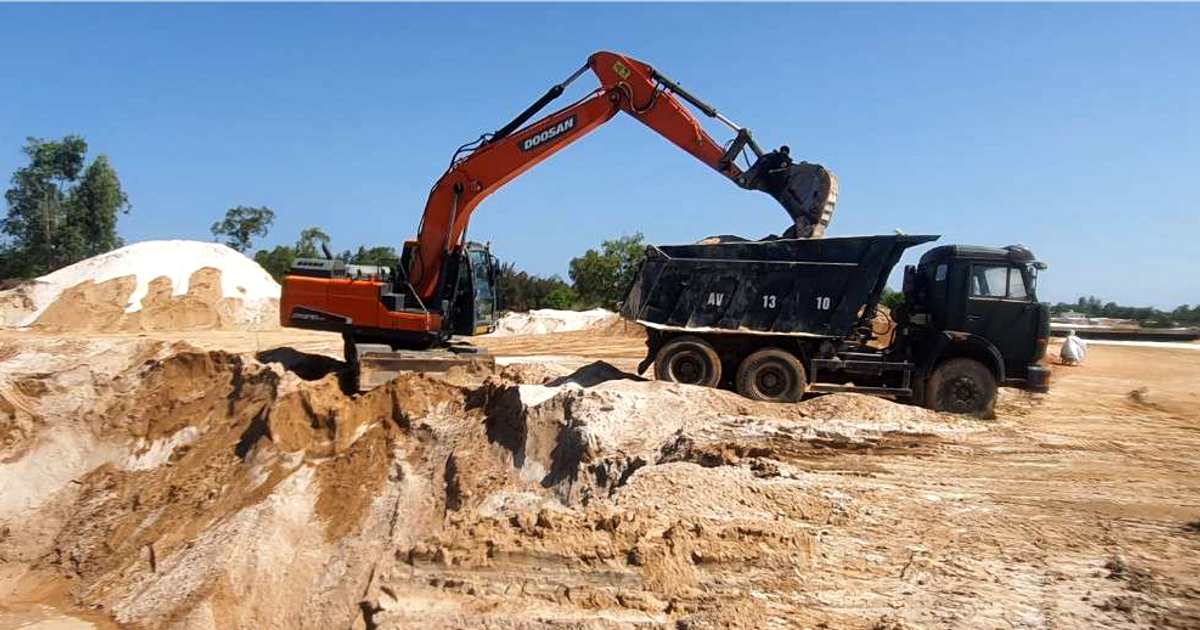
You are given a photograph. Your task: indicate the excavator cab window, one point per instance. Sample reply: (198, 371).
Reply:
(474, 291)
(483, 273)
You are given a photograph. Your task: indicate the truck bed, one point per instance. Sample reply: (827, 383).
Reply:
(804, 287)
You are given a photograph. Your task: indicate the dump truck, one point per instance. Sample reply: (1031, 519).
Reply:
(778, 318)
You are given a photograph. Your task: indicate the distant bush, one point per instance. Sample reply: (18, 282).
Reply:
(1093, 306)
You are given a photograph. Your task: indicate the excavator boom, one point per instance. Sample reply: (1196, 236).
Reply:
(807, 192)
(402, 318)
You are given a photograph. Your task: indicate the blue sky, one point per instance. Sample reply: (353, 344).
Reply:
(1074, 129)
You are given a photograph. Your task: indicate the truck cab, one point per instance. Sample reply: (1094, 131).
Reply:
(966, 302)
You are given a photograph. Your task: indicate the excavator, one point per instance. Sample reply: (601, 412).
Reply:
(407, 317)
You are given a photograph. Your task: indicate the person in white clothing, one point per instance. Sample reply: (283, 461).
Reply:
(1074, 350)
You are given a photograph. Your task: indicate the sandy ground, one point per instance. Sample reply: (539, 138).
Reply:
(241, 489)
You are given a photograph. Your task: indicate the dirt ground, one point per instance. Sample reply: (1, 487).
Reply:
(228, 482)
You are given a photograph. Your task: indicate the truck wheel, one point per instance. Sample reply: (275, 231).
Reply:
(772, 375)
(962, 386)
(688, 360)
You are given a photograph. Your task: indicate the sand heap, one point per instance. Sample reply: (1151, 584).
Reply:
(154, 285)
(549, 320)
(173, 488)
(176, 489)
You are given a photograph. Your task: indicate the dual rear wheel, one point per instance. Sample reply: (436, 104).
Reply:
(959, 385)
(769, 374)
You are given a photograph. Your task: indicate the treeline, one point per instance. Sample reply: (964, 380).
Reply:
(1093, 306)
(598, 278)
(243, 223)
(62, 209)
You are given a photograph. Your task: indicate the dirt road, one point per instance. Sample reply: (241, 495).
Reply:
(540, 498)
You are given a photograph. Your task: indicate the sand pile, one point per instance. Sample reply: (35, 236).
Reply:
(548, 320)
(175, 488)
(208, 490)
(172, 488)
(154, 285)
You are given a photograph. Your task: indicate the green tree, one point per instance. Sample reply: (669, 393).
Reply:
(277, 262)
(378, 256)
(310, 239)
(891, 299)
(242, 224)
(59, 212)
(1145, 315)
(521, 291)
(601, 277)
(561, 298)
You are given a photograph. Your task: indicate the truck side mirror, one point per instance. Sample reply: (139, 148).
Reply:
(910, 280)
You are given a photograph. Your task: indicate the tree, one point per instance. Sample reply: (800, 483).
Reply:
(891, 299)
(277, 262)
(1145, 315)
(561, 298)
(55, 216)
(601, 278)
(243, 223)
(306, 246)
(521, 291)
(378, 256)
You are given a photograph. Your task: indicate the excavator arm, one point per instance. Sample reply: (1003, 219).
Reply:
(807, 192)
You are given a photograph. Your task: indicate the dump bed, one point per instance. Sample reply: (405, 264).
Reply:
(809, 287)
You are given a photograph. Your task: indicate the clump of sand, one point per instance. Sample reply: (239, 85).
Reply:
(155, 285)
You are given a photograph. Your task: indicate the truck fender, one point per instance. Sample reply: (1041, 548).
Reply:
(955, 343)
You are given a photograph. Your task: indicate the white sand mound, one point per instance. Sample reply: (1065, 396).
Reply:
(548, 320)
(153, 285)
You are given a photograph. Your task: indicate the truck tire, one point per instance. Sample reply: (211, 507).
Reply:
(772, 375)
(690, 360)
(963, 386)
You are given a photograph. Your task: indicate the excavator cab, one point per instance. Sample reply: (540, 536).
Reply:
(474, 310)
(470, 295)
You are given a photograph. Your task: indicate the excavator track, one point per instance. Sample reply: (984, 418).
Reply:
(374, 364)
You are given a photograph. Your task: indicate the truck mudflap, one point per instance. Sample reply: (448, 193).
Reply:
(1037, 378)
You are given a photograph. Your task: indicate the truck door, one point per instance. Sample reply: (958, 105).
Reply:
(1002, 309)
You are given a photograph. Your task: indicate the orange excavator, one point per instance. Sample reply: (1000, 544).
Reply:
(404, 317)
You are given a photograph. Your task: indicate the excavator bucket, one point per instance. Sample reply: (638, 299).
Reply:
(808, 192)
